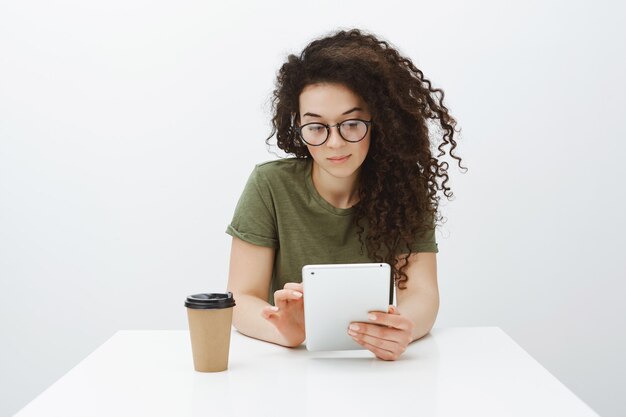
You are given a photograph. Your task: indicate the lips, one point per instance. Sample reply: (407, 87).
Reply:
(338, 158)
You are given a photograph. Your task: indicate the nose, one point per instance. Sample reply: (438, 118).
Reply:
(335, 140)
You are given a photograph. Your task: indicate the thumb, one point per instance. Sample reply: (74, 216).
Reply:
(393, 309)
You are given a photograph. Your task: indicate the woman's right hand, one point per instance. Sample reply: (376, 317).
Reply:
(288, 313)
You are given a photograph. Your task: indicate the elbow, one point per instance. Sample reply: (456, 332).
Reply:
(421, 334)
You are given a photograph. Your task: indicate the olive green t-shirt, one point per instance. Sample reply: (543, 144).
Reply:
(281, 208)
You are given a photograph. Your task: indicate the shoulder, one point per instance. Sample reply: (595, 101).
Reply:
(281, 170)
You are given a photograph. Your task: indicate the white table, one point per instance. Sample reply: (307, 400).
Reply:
(466, 371)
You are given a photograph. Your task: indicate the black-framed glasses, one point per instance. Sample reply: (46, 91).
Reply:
(351, 130)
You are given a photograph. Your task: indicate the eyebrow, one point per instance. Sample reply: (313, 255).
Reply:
(346, 112)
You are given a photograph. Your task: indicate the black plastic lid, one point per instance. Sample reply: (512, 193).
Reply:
(210, 301)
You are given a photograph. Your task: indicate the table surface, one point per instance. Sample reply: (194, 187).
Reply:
(463, 371)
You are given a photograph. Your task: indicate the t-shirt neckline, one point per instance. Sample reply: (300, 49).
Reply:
(308, 179)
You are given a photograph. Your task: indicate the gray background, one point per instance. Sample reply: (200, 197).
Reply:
(128, 129)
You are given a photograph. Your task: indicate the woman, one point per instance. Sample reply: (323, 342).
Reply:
(359, 120)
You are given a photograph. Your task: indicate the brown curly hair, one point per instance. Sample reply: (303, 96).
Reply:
(400, 177)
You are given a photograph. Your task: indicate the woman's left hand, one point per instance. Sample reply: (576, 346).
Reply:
(386, 336)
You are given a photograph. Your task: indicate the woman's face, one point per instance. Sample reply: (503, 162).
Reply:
(332, 103)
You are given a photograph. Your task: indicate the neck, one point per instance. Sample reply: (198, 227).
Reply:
(339, 192)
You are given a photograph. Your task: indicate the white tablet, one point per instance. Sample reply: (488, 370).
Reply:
(336, 295)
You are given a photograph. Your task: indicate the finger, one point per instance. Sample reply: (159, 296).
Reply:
(297, 286)
(385, 344)
(393, 309)
(380, 353)
(397, 321)
(287, 295)
(268, 315)
(379, 332)
(269, 312)
(282, 298)
(273, 319)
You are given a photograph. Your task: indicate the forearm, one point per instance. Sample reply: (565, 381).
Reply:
(422, 310)
(247, 319)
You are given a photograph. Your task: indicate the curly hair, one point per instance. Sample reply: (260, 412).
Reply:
(400, 177)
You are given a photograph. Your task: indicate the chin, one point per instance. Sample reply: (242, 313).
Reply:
(341, 171)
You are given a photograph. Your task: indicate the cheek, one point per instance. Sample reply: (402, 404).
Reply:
(314, 151)
(364, 147)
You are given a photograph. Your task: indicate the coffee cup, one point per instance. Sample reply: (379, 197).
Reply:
(210, 318)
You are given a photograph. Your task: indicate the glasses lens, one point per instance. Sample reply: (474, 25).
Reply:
(314, 133)
(353, 130)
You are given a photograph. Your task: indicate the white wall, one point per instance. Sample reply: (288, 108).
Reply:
(128, 128)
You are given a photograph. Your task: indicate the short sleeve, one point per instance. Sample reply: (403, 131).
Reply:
(424, 242)
(254, 219)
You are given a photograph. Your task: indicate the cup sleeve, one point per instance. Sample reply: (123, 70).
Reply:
(254, 219)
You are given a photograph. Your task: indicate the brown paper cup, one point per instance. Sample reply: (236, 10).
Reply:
(210, 328)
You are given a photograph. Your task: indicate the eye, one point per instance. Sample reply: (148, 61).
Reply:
(352, 124)
(314, 128)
